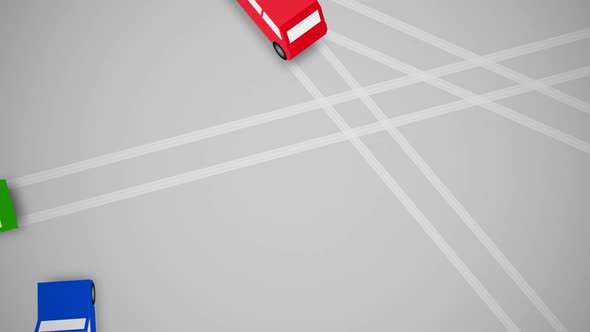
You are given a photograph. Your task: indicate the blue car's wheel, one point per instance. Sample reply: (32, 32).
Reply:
(93, 294)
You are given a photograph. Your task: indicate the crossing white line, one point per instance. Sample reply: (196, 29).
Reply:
(498, 109)
(537, 46)
(443, 190)
(420, 218)
(459, 92)
(173, 181)
(463, 53)
(177, 180)
(202, 134)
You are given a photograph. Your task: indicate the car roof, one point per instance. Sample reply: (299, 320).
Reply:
(64, 299)
(281, 11)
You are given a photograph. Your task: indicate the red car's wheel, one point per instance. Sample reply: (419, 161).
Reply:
(280, 50)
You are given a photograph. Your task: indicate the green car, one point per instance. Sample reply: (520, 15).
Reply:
(7, 214)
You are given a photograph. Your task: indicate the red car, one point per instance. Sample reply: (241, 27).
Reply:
(291, 25)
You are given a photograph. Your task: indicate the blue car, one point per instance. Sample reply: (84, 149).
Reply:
(66, 306)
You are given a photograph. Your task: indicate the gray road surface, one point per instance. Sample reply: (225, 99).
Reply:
(155, 148)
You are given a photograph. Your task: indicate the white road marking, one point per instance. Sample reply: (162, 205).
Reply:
(501, 70)
(173, 181)
(443, 190)
(422, 220)
(233, 126)
(459, 92)
(465, 54)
